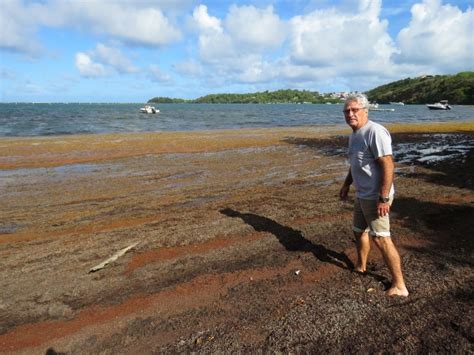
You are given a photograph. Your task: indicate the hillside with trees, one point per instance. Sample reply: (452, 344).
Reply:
(458, 89)
(265, 97)
(166, 100)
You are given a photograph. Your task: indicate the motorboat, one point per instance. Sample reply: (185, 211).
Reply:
(442, 105)
(373, 106)
(397, 103)
(149, 109)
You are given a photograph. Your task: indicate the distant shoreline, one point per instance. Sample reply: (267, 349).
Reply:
(191, 102)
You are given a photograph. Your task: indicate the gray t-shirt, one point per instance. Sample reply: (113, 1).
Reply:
(367, 144)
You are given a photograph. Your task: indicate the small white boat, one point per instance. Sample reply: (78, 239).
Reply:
(442, 105)
(373, 106)
(397, 103)
(149, 109)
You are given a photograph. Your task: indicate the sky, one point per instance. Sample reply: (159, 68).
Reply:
(133, 50)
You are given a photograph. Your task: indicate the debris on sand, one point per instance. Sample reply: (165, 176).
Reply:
(113, 258)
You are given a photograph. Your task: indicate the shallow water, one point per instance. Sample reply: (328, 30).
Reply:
(434, 149)
(28, 119)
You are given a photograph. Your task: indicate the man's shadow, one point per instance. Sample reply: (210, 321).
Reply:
(292, 239)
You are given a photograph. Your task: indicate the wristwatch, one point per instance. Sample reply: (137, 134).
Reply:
(383, 199)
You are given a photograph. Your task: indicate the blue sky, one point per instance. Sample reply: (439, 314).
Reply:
(132, 50)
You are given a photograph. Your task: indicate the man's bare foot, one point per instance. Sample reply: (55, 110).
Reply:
(395, 291)
(359, 270)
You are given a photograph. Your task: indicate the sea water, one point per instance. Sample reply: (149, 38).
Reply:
(43, 119)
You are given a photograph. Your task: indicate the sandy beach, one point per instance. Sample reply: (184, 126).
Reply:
(240, 244)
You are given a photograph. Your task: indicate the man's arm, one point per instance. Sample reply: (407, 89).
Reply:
(387, 167)
(346, 186)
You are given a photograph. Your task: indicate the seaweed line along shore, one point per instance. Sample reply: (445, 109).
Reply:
(218, 241)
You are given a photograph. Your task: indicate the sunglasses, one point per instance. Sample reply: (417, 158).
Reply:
(354, 110)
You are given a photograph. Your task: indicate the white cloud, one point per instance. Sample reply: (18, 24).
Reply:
(172, 6)
(103, 61)
(189, 67)
(121, 20)
(348, 41)
(344, 41)
(18, 25)
(438, 36)
(258, 71)
(158, 75)
(215, 46)
(258, 28)
(234, 49)
(87, 67)
(114, 58)
(137, 23)
(329, 44)
(204, 22)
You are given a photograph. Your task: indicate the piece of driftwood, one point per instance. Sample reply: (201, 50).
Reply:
(113, 258)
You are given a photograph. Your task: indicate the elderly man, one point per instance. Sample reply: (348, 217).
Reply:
(371, 171)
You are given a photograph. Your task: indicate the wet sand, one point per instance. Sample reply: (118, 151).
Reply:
(243, 245)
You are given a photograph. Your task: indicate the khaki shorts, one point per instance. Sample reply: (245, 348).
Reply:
(367, 219)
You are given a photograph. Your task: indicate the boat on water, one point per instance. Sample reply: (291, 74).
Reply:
(149, 109)
(397, 103)
(373, 106)
(442, 105)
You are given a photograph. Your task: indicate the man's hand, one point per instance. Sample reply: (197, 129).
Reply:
(344, 192)
(383, 209)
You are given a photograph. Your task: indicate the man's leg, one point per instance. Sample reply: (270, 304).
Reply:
(359, 227)
(392, 259)
(363, 248)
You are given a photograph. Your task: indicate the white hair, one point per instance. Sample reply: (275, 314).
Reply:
(361, 99)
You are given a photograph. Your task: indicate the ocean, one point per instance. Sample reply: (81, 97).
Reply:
(43, 119)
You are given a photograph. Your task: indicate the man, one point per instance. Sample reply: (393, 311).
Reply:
(371, 171)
